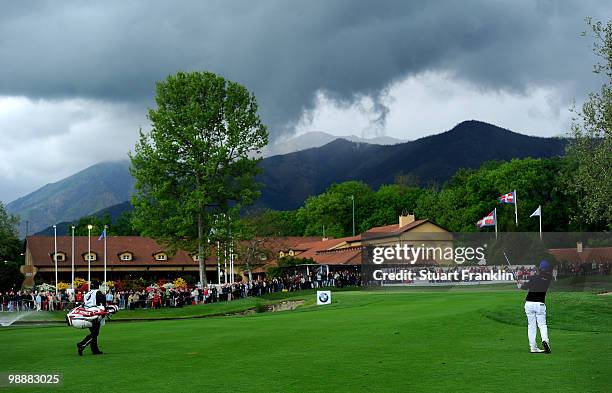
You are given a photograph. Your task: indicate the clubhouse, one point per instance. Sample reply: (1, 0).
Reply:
(130, 257)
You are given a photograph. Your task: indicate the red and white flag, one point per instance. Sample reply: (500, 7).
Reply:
(487, 221)
(507, 198)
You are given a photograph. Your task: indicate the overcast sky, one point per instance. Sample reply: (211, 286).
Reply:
(76, 77)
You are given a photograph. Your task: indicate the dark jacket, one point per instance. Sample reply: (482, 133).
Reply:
(537, 287)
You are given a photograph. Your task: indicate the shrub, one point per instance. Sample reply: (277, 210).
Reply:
(180, 283)
(78, 282)
(261, 307)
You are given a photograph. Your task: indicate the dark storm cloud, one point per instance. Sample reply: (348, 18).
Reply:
(286, 51)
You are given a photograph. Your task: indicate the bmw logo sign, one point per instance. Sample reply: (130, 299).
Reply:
(323, 297)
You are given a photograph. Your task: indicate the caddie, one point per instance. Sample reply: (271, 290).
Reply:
(94, 298)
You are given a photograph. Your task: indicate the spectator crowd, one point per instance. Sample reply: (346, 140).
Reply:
(155, 297)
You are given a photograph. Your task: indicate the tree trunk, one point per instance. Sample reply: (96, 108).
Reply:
(202, 266)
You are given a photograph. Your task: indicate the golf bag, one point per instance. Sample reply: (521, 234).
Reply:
(84, 317)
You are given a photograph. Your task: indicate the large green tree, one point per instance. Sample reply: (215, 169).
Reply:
(590, 152)
(10, 251)
(121, 226)
(332, 210)
(268, 222)
(197, 161)
(471, 194)
(10, 245)
(462, 201)
(388, 202)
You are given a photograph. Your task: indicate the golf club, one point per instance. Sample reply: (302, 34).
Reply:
(510, 266)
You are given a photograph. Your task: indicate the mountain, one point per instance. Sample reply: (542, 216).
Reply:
(114, 211)
(90, 190)
(289, 179)
(318, 139)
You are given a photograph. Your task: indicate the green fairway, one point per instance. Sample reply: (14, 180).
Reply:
(471, 341)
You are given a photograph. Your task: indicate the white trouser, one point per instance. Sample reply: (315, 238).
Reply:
(536, 312)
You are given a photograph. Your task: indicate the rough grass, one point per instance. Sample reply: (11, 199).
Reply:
(577, 311)
(594, 284)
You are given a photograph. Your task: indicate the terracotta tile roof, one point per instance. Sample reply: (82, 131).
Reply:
(143, 248)
(343, 256)
(323, 245)
(310, 244)
(394, 228)
(325, 251)
(599, 254)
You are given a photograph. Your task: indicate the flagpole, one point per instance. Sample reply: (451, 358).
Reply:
(515, 208)
(89, 256)
(231, 263)
(495, 216)
(105, 226)
(540, 207)
(72, 267)
(225, 262)
(218, 264)
(55, 255)
(353, 199)
(231, 250)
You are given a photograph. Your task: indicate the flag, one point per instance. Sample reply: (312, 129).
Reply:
(507, 198)
(537, 212)
(103, 235)
(487, 221)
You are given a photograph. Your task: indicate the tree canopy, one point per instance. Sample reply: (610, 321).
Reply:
(10, 251)
(197, 161)
(10, 245)
(590, 153)
(467, 197)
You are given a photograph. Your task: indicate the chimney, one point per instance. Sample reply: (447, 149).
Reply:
(579, 246)
(405, 220)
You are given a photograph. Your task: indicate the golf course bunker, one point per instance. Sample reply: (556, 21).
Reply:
(606, 294)
(288, 305)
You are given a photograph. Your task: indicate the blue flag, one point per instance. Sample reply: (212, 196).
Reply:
(103, 235)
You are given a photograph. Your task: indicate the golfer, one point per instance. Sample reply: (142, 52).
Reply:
(93, 298)
(535, 308)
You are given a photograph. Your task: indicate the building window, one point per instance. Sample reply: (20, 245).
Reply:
(281, 254)
(90, 257)
(61, 257)
(126, 256)
(160, 256)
